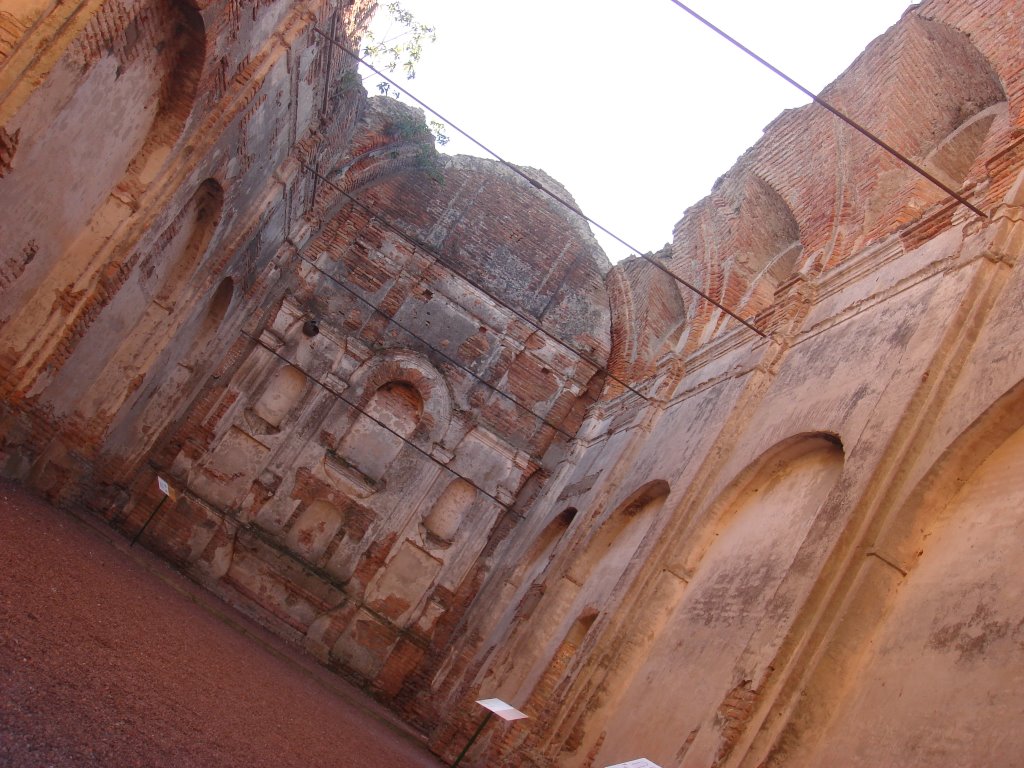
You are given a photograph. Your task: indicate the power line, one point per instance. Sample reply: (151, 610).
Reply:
(375, 420)
(446, 356)
(538, 185)
(416, 243)
(820, 101)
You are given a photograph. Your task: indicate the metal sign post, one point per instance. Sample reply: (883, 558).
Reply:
(493, 707)
(165, 489)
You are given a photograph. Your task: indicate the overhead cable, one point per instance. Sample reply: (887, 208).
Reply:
(541, 187)
(823, 103)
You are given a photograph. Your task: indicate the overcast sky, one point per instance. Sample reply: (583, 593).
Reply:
(635, 107)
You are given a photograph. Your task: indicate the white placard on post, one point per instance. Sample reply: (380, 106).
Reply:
(641, 762)
(501, 709)
(165, 488)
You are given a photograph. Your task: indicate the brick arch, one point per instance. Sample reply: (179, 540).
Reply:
(934, 85)
(416, 371)
(392, 139)
(648, 315)
(738, 245)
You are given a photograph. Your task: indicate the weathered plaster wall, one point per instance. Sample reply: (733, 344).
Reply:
(345, 486)
(885, 305)
(414, 421)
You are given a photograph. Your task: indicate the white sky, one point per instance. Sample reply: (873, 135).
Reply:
(634, 106)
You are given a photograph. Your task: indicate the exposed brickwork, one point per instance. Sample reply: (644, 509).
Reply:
(315, 365)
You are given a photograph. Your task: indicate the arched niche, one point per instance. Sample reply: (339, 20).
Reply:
(611, 548)
(118, 100)
(447, 513)
(313, 530)
(590, 577)
(380, 430)
(172, 379)
(561, 661)
(543, 546)
(415, 372)
(648, 315)
(931, 640)
(281, 395)
(953, 157)
(685, 656)
(216, 310)
(171, 263)
(142, 317)
(523, 582)
(531, 567)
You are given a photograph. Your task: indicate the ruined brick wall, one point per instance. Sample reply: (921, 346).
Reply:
(389, 390)
(249, 289)
(347, 484)
(785, 605)
(150, 188)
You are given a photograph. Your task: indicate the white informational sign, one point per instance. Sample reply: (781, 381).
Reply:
(165, 488)
(640, 762)
(501, 709)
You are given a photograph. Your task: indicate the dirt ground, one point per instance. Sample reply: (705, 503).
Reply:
(110, 658)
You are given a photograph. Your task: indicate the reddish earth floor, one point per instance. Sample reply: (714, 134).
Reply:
(110, 658)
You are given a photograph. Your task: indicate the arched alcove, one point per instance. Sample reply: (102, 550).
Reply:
(142, 317)
(584, 587)
(619, 535)
(216, 310)
(953, 156)
(942, 99)
(648, 315)
(738, 245)
(446, 514)
(313, 529)
(428, 398)
(172, 262)
(119, 98)
(172, 379)
(542, 547)
(686, 655)
(281, 395)
(533, 565)
(378, 433)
